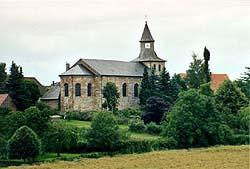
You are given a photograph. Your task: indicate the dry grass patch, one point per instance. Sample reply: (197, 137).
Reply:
(225, 157)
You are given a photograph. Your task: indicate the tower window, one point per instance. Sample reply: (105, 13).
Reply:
(159, 67)
(136, 92)
(89, 89)
(154, 66)
(66, 89)
(124, 90)
(78, 89)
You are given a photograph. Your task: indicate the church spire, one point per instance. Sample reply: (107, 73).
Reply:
(146, 35)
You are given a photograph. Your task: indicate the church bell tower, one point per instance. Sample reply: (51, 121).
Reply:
(147, 55)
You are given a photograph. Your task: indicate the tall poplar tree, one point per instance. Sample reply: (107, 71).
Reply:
(206, 71)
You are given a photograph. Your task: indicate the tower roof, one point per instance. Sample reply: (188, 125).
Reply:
(146, 35)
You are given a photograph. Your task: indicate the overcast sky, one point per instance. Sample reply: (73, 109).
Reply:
(42, 35)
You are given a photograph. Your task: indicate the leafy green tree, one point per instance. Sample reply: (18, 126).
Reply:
(244, 117)
(24, 144)
(104, 133)
(180, 81)
(244, 83)
(144, 93)
(206, 89)
(111, 95)
(154, 110)
(195, 75)
(206, 71)
(3, 78)
(3, 148)
(193, 120)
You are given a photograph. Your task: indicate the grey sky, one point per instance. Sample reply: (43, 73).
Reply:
(41, 35)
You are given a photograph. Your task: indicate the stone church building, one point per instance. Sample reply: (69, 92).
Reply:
(81, 85)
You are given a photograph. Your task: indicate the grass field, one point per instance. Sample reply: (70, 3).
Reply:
(86, 124)
(225, 157)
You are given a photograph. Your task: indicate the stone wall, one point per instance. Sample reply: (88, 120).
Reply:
(94, 102)
(53, 104)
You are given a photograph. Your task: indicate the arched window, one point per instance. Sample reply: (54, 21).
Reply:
(66, 89)
(89, 89)
(159, 68)
(78, 89)
(154, 67)
(124, 90)
(136, 92)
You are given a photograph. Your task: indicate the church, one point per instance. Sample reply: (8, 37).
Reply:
(81, 85)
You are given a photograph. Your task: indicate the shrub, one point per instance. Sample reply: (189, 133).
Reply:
(24, 144)
(104, 134)
(153, 128)
(3, 148)
(137, 126)
(82, 116)
(135, 146)
(244, 117)
(164, 143)
(129, 113)
(154, 110)
(60, 138)
(225, 134)
(240, 139)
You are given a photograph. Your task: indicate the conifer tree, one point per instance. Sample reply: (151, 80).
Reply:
(144, 93)
(3, 78)
(206, 71)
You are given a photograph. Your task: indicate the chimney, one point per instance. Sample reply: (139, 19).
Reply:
(67, 66)
(53, 83)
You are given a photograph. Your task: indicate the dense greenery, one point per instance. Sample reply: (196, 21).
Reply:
(111, 95)
(24, 144)
(244, 82)
(3, 78)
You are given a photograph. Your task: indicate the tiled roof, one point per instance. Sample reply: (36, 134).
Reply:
(106, 68)
(216, 79)
(146, 35)
(3, 97)
(53, 93)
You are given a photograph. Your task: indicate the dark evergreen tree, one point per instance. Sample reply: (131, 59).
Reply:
(3, 78)
(111, 95)
(244, 83)
(144, 93)
(164, 85)
(206, 71)
(174, 89)
(195, 75)
(153, 83)
(180, 81)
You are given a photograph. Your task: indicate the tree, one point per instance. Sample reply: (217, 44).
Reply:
(180, 81)
(205, 89)
(3, 78)
(244, 83)
(24, 144)
(193, 120)
(195, 76)
(164, 86)
(14, 83)
(244, 117)
(104, 133)
(206, 71)
(111, 95)
(155, 109)
(144, 93)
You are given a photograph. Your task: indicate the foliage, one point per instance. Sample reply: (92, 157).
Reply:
(42, 106)
(145, 90)
(60, 137)
(104, 133)
(193, 121)
(164, 143)
(3, 148)
(137, 126)
(3, 114)
(135, 146)
(225, 134)
(155, 109)
(153, 128)
(180, 81)
(125, 115)
(195, 74)
(3, 78)
(206, 71)
(244, 82)
(24, 144)
(82, 116)
(244, 117)
(205, 89)
(111, 95)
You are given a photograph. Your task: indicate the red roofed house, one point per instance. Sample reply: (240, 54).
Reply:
(6, 101)
(216, 80)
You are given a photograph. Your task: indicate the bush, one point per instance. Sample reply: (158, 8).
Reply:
(153, 128)
(135, 146)
(104, 134)
(125, 115)
(225, 134)
(240, 139)
(165, 143)
(24, 144)
(82, 116)
(3, 148)
(244, 117)
(137, 126)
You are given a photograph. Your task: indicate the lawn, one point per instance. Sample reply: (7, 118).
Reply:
(86, 124)
(226, 157)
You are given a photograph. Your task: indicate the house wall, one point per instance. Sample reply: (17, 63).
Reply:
(94, 102)
(53, 104)
(9, 104)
